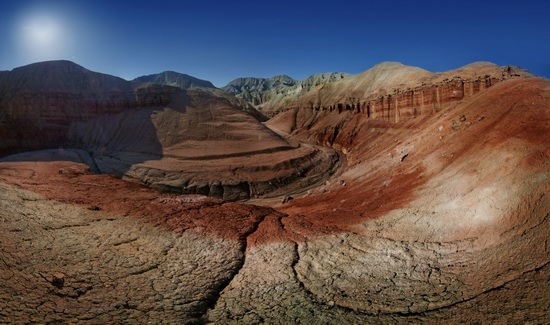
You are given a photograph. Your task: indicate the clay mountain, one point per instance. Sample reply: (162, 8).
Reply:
(396, 195)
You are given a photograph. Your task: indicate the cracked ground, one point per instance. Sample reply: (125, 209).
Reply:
(73, 252)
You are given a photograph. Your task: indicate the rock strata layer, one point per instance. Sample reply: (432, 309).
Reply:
(183, 141)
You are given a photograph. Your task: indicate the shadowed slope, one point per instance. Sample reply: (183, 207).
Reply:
(207, 147)
(39, 101)
(186, 82)
(157, 134)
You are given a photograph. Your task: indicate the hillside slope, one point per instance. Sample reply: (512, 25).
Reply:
(174, 79)
(39, 101)
(186, 82)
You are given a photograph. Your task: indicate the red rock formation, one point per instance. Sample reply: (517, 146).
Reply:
(38, 102)
(383, 108)
(393, 92)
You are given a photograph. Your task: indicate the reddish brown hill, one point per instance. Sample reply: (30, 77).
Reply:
(171, 139)
(393, 92)
(200, 144)
(39, 101)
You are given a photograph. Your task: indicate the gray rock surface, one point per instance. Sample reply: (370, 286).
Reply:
(262, 92)
(174, 79)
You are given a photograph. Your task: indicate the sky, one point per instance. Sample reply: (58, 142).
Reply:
(223, 40)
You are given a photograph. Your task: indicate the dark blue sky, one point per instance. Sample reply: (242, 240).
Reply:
(223, 40)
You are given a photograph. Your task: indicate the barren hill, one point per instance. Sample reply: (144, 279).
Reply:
(186, 82)
(437, 210)
(39, 101)
(175, 79)
(262, 92)
(171, 139)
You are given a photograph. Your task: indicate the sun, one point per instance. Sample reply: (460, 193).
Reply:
(42, 36)
(42, 32)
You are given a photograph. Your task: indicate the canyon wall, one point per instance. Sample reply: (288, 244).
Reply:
(401, 104)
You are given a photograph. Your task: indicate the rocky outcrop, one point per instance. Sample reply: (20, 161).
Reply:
(394, 93)
(258, 91)
(390, 91)
(409, 103)
(265, 93)
(246, 87)
(183, 81)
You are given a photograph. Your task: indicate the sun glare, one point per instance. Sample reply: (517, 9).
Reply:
(43, 36)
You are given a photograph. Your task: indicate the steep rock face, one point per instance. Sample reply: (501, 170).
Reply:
(387, 94)
(39, 101)
(174, 79)
(392, 91)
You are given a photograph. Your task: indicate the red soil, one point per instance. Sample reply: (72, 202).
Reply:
(72, 183)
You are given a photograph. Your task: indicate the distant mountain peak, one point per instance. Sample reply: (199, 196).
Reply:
(61, 76)
(175, 79)
(259, 91)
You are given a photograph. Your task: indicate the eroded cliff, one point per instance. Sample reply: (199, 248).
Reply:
(38, 102)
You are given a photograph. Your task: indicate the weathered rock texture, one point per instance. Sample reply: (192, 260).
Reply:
(439, 218)
(391, 91)
(39, 101)
(200, 144)
(171, 139)
(186, 82)
(458, 201)
(112, 251)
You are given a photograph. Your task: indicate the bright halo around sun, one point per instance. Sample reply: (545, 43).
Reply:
(43, 36)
